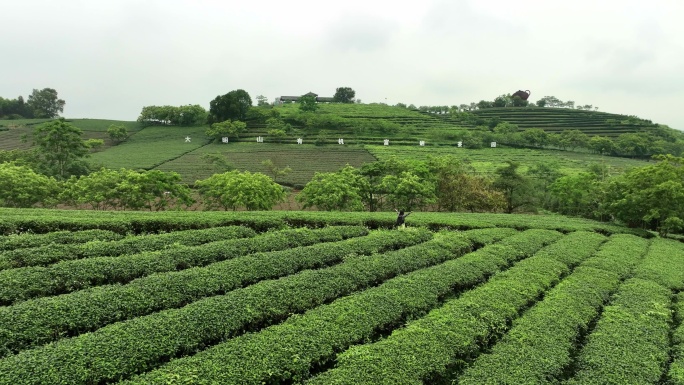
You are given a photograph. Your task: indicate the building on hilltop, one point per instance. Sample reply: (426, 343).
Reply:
(290, 99)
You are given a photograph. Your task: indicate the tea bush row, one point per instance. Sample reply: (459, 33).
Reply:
(52, 253)
(287, 352)
(540, 345)
(47, 319)
(19, 241)
(30, 282)
(115, 351)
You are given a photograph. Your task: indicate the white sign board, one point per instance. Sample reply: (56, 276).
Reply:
(422, 143)
(300, 141)
(386, 142)
(260, 139)
(224, 139)
(187, 139)
(460, 144)
(340, 141)
(493, 144)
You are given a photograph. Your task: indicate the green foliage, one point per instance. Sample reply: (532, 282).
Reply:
(232, 190)
(318, 333)
(408, 191)
(102, 243)
(649, 195)
(601, 145)
(127, 189)
(227, 128)
(117, 133)
(275, 170)
(232, 106)
(514, 186)
(344, 95)
(189, 115)
(271, 255)
(20, 186)
(457, 188)
(338, 191)
(60, 147)
(45, 103)
(307, 103)
(535, 137)
(578, 194)
(218, 161)
(630, 342)
(448, 334)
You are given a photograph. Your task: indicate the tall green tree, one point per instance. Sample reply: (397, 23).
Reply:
(333, 191)
(45, 103)
(234, 189)
(307, 103)
(60, 147)
(117, 132)
(650, 196)
(408, 191)
(227, 129)
(20, 186)
(514, 186)
(232, 106)
(344, 95)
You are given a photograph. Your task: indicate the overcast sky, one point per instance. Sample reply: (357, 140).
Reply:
(109, 58)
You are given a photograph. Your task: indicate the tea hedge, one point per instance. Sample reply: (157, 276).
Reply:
(539, 348)
(19, 241)
(30, 282)
(631, 340)
(286, 352)
(428, 349)
(48, 254)
(114, 351)
(676, 372)
(47, 319)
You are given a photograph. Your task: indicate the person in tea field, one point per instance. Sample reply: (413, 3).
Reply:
(401, 217)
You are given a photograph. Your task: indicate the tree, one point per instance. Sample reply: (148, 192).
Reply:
(117, 133)
(226, 129)
(601, 145)
(482, 104)
(234, 189)
(650, 196)
(408, 191)
(232, 106)
(517, 101)
(458, 188)
(344, 95)
(308, 103)
(218, 161)
(45, 103)
(535, 137)
(513, 185)
(579, 194)
(127, 189)
(572, 139)
(60, 146)
(262, 101)
(275, 170)
(20, 186)
(333, 191)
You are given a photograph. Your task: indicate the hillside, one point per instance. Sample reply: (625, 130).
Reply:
(335, 298)
(363, 127)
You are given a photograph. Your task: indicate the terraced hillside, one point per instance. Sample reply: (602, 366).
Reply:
(556, 120)
(321, 298)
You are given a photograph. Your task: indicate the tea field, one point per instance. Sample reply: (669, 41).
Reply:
(91, 297)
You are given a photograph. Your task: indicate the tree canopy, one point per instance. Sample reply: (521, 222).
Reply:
(234, 189)
(61, 147)
(232, 106)
(45, 103)
(344, 95)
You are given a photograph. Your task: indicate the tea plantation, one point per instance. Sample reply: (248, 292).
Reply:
(335, 298)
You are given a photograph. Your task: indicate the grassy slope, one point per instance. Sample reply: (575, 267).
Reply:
(165, 148)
